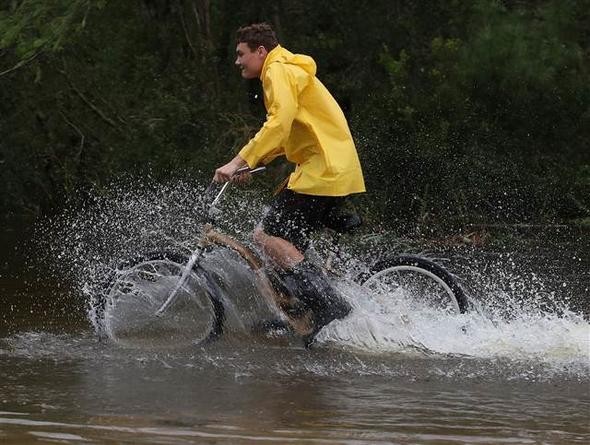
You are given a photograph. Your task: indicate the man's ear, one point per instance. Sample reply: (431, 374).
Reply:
(262, 51)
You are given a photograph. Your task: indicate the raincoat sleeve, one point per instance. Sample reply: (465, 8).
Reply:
(281, 99)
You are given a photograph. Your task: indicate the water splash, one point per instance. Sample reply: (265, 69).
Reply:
(527, 325)
(516, 316)
(87, 243)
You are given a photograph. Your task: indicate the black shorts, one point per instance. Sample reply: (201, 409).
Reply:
(294, 216)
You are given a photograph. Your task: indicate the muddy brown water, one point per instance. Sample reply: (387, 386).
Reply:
(525, 380)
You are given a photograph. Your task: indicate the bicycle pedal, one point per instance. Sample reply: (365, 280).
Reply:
(272, 328)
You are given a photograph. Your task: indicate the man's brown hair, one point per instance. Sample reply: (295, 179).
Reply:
(257, 34)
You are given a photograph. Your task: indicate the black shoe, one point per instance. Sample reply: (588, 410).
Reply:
(294, 308)
(309, 284)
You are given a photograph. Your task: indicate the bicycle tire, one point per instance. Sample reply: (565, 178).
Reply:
(134, 264)
(406, 264)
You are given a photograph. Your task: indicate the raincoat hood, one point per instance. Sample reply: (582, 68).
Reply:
(283, 55)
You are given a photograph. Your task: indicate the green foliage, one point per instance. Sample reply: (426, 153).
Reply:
(462, 111)
(496, 117)
(30, 26)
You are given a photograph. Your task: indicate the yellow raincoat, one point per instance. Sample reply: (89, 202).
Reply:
(305, 124)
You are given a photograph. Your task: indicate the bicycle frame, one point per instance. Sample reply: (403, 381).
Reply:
(210, 236)
(274, 298)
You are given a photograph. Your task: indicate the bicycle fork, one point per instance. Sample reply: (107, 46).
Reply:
(194, 258)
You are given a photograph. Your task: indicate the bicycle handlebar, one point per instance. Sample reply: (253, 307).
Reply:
(247, 169)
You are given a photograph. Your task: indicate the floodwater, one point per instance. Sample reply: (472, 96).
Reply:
(70, 389)
(515, 369)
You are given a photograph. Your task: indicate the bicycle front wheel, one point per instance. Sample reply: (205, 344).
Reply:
(419, 279)
(140, 289)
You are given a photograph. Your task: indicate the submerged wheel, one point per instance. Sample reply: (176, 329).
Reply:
(421, 279)
(139, 289)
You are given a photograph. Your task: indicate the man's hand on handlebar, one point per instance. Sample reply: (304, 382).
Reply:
(229, 172)
(241, 177)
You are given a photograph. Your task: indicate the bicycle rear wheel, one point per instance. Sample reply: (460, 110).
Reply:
(141, 287)
(422, 280)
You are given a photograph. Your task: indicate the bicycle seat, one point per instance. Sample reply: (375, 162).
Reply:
(344, 222)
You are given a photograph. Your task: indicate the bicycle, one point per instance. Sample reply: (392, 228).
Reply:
(143, 290)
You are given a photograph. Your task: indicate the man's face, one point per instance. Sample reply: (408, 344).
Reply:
(250, 62)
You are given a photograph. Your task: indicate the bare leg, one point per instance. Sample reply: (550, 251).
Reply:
(280, 251)
(306, 282)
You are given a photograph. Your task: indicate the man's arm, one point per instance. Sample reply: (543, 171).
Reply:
(282, 101)
(267, 143)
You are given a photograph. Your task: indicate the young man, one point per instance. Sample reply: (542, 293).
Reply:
(305, 124)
